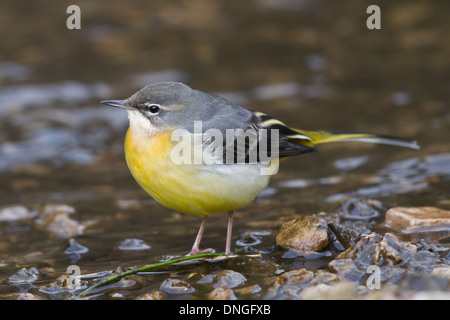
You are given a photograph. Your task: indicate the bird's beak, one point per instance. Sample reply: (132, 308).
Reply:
(117, 103)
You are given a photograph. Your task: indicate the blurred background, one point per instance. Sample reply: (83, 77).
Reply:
(312, 64)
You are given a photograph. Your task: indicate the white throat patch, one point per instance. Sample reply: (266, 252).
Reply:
(140, 124)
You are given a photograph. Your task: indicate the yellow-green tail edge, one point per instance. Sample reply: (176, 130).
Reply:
(319, 137)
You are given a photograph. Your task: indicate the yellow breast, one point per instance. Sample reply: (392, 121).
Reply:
(189, 188)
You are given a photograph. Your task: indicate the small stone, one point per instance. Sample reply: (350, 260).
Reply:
(442, 272)
(392, 249)
(337, 291)
(75, 248)
(154, 295)
(207, 279)
(308, 233)
(229, 279)
(347, 235)
(354, 251)
(300, 276)
(176, 286)
(283, 292)
(358, 209)
(221, 293)
(129, 204)
(346, 269)
(252, 265)
(133, 244)
(13, 213)
(418, 219)
(56, 219)
(63, 226)
(25, 275)
(251, 238)
(324, 277)
(255, 288)
(27, 296)
(423, 261)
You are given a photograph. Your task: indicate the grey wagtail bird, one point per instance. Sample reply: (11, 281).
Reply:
(201, 188)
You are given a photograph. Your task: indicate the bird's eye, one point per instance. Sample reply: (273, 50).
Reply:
(153, 108)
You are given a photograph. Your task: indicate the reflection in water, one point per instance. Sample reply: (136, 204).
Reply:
(403, 177)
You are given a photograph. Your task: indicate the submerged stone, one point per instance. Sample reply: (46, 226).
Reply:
(14, 213)
(298, 277)
(308, 233)
(346, 234)
(418, 219)
(176, 286)
(229, 279)
(346, 269)
(394, 250)
(25, 275)
(133, 244)
(252, 265)
(154, 295)
(221, 293)
(368, 242)
(358, 209)
(56, 219)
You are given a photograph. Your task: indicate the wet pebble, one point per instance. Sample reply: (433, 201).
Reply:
(346, 269)
(62, 287)
(56, 219)
(367, 242)
(252, 265)
(176, 286)
(25, 275)
(154, 295)
(346, 234)
(308, 233)
(392, 249)
(221, 293)
(229, 279)
(358, 209)
(324, 277)
(336, 291)
(249, 290)
(251, 238)
(418, 219)
(297, 277)
(207, 279)
(27, 296)
(75, 248)
(17, 212)
(133, 244)
(442, 272)
(348, 164)
(289, 285)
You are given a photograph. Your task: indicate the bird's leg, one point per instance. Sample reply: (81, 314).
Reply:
(229, 229)
(196, 247)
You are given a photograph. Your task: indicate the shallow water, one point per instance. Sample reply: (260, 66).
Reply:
(312, 64)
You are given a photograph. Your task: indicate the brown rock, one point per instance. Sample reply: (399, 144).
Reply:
(417, 219)
(221, 293)
(154, 295)
(346, 269)
(371, 240)
(308, 233)
(176, 286)
(298, 276)
(394, 250)
(229, 279)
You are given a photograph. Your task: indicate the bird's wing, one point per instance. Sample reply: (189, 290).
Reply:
(263, 138)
